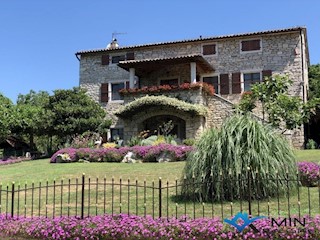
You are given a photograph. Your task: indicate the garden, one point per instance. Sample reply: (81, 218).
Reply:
(155, 186)
(54, 199)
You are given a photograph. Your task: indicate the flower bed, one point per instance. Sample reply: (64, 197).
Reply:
(209, 89)
(133, 227)
(144, 153)
(13, 160)
(309, 173)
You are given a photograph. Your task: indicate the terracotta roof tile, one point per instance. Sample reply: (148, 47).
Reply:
(275, 31)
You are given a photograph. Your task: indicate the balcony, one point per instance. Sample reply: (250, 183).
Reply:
(189, 92)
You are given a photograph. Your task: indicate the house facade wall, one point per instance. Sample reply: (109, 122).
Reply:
(282, 53)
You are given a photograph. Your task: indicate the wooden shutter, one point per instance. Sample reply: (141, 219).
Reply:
(236, 84)
(209, 49)
(130, 56)
(250, 45)
(105, 59)
(266, 73)
(104, 92)
(224, 84)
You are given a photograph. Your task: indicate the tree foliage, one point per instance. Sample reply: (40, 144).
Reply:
(5, 116)
(314, 81)
(279, 106)
(73, 112)
(243, 149)
(30, 115)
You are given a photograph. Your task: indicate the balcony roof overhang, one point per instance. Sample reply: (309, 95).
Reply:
(149, 65)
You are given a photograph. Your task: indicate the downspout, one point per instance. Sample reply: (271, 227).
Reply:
(306, 127)
(302, 66)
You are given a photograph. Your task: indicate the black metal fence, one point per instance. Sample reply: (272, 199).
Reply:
(92, 196)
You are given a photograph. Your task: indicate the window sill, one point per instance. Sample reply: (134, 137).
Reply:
(116, 101)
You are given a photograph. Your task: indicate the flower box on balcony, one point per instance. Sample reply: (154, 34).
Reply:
(209, 89)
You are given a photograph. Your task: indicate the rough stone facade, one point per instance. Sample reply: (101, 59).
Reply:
(281, 51)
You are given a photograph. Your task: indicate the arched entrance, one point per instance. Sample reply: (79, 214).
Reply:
(153, 124)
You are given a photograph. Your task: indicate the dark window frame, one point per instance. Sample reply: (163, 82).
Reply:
(216, 89)
(252, 78)
(116, 132)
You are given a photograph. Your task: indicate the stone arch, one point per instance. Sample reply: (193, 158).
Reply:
(193, 124)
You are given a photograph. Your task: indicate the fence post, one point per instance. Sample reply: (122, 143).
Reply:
(12, 200)
(249, 190)
(82, 196)
(160, 197)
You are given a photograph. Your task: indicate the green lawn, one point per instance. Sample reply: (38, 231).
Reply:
(42, 170)
(308, 155)
(137, 198)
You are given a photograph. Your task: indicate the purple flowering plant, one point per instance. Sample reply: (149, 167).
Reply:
(309, 173)
(145, 153)
(124, 226)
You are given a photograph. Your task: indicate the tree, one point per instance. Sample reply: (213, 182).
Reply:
(278, 104)
(30, 115)
(242, 149)
(73, 112)
(314, 81)
(5, 116)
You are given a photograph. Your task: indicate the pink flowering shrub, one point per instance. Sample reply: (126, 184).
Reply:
(145, 153)
(134, 227)
(7, 161)
(70, 151)
(309, 173)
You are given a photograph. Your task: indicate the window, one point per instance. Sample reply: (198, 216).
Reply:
(214, 81)
(209, 49)
(171, 82)
(105, 59)
(250, 79)
(117, 59)
(110, 91)
(115, 87)
(116, 134)
(251, 45)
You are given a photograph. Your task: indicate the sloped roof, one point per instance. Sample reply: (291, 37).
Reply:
(14, 142)
(275, 31)
(139, 65)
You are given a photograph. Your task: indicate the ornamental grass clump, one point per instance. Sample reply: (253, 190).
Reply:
(309, 173)
(243, 159)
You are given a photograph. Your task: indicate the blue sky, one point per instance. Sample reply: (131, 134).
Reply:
(39, 39)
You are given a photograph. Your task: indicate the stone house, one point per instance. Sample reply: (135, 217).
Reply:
(229, 63)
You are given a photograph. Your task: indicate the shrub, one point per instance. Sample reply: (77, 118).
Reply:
(70, 151)
(242, 149)
(84, 140)
(109, 145)
(158, 101)
(311, 144)
(309, 173)
(189, 141)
